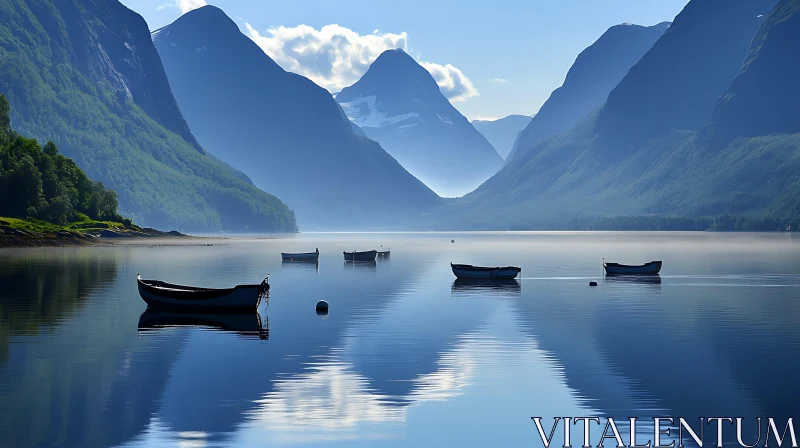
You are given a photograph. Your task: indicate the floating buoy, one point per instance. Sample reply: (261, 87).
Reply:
(452, 241)
(322, 307)
(592, 283)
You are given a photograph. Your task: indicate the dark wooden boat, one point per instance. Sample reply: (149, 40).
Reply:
(305, 256)
(651, 268)
(480, 272)
(360, 256)
(167, 296)
(244, 324)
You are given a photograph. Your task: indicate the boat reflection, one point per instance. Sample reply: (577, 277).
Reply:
(363, 265)
(301, 264)
(640, 279)
(465, 285)
(247, 325)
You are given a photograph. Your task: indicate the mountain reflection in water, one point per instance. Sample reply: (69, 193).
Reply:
(407, 356)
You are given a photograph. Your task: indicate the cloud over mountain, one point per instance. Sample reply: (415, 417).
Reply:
(452, 82)
(335, 57)
(188, 5)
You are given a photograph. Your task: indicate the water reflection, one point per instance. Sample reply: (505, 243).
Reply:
(627, 353)
(42, 289)
(301, 264)
(246, 324)
(644, 284)
(463, 285)
(360, 265)
(402, 357)
(74, 376)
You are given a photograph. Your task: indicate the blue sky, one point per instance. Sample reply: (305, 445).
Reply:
(492, 58)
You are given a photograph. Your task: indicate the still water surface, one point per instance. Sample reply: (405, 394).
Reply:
(407, 356)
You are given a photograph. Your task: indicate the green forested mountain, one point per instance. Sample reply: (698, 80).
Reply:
(659, 164)
(38, 182)
(85, 75)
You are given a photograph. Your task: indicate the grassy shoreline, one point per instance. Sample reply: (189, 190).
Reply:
(16, 232)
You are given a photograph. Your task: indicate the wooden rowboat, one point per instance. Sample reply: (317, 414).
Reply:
(651, 268)
(166, 296)
(480, 272)
(306, 256)
(360, 256)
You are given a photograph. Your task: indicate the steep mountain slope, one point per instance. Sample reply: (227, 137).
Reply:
(85, 75)
(503, 132)
(680, 172)
(763, 98)
(596, 71)
(282, 130)
(676, 84)
(398, 104)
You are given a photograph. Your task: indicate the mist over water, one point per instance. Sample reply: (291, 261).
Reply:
(407, 356)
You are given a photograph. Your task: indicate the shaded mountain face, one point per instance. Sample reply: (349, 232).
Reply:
(596, 71)
(86, 75)
(288, 134)
(503, 132)
(582, 174)
(398, 104)
(676, 84)
(764, 97)
(119, 50)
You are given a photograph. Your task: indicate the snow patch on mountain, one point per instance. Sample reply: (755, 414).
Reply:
(444, 120)
(362, 111)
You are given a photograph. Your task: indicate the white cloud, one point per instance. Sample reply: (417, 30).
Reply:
(335, 57)
(164, 6)
(188, 5)
(498, 81)
(452, 82)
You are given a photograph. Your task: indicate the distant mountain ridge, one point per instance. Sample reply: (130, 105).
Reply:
(398, 103)
(595, 72)
(285, 132)
(502, 133)
(763, 97)
(85, 75)
(600, 169)
(676, 84)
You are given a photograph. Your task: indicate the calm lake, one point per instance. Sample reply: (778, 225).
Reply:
(407, 356)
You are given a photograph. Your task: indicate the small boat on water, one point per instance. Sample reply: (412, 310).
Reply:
(361, 256)
(480, 272)
(383, 253)
(306, 256)
(167, 296)
(651, 268)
